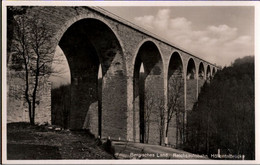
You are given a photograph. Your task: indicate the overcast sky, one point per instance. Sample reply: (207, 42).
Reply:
(216, 34)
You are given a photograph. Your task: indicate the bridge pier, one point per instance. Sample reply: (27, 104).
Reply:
(115, 104)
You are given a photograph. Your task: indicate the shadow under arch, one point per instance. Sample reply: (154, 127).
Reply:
(148, 92)
(90, 46)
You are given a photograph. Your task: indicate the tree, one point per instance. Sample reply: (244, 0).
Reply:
(175, 104)
(161, 120)
(223, 117)
(32, 47)
(149, 105)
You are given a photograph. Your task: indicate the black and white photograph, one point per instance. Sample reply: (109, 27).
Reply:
(166, 82)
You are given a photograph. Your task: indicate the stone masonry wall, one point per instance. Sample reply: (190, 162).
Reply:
(17, 108)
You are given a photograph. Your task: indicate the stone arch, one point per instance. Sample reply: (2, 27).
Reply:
(77, 18)
(191, 69)
(213, 71)
(148, 91)
(191, 84)
(175, 65)
(175, 79)
(140, 45)
(201, 74)
(90, 44)
(208, 73)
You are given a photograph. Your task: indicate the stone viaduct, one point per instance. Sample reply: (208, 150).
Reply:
(92, 38)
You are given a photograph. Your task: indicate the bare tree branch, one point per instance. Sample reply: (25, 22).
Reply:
(32, 45)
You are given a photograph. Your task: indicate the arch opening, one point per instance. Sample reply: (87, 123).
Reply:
(208, 76)
(148, 92)
(201, 77)
(97, 68)
(175, 102)
(201, 71)
(191, 83)
(213, 71)
(60, 90)
(191, 69)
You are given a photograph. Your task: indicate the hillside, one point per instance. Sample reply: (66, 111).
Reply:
(26, 142)
(223, 117)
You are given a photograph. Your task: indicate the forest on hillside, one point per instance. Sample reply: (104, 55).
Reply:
(223, 119)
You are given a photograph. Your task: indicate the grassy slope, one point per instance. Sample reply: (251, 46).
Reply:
(38, 142)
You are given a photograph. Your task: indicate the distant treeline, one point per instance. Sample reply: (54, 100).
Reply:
(224, 116)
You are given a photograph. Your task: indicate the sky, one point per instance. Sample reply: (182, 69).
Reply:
(216, 34)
